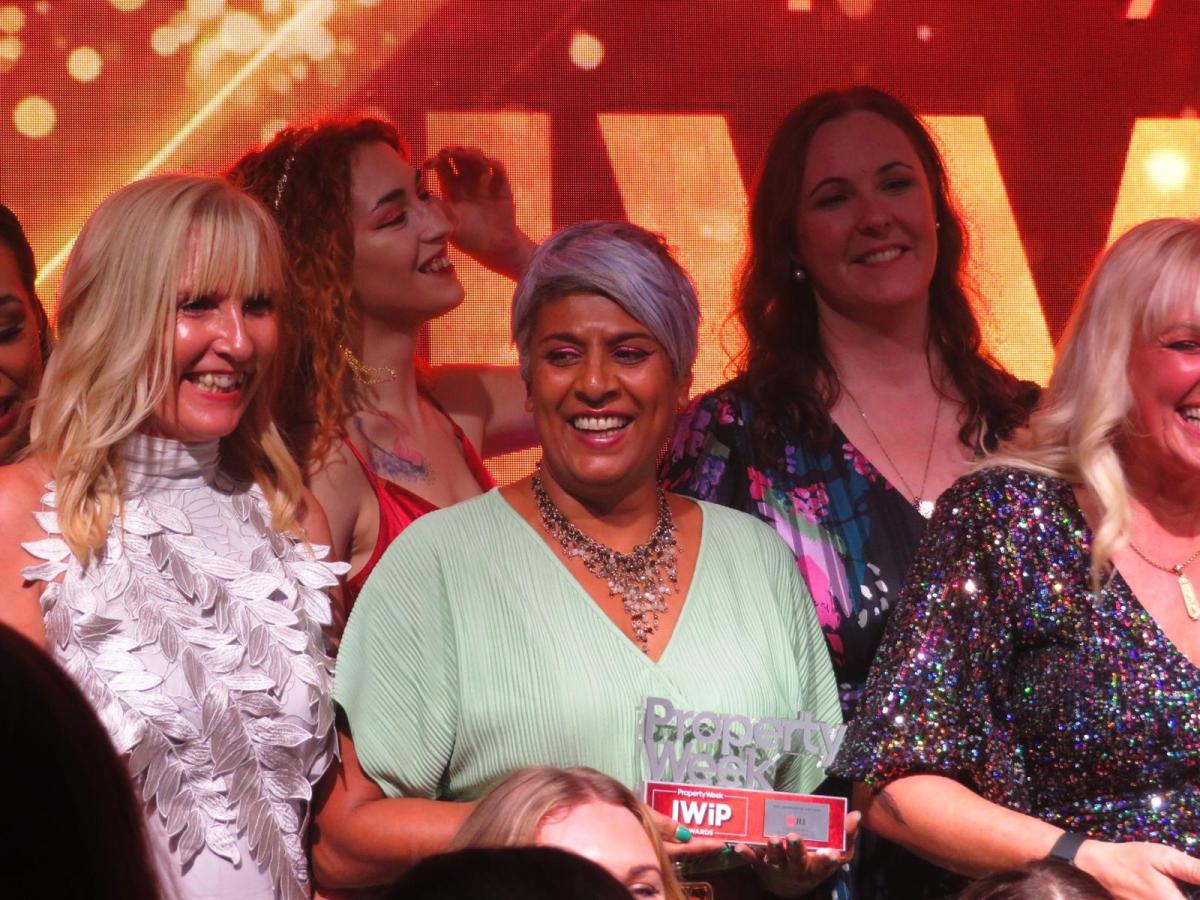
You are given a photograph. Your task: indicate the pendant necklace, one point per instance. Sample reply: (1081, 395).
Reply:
(920, 502)
(1185, 586)
(642, 577)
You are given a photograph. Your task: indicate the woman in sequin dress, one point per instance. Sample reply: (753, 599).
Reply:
(1038, 682)
(863, 390)
(171, 554)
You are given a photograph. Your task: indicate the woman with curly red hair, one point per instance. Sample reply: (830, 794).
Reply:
(383, 438)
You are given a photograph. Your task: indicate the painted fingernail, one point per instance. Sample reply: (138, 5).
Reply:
(793, 842)
(726, 851)
(682, 835)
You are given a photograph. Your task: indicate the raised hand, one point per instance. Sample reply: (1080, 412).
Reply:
(477, 191)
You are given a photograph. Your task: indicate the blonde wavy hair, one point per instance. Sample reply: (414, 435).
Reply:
(113, 363)
(1136, 289)
(513, 811)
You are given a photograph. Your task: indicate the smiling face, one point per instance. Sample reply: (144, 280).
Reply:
(613, 838)
(401, 272)
(224, 345)
(866, 230)
(20, 354)
(1163, 434)
(603, 396)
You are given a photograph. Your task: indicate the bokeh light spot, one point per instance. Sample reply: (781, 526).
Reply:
(11, 49)
(924, 33)
(1168, 169)
(164, 40)
(201, 10)
(84, 64)
(240, 33)
(34, 117)
(857, 9)
(587, 51)
(316, 42)
(271, 128)
(12, 19)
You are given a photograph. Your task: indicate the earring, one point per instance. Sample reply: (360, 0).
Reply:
(938, 224)
(798, 273)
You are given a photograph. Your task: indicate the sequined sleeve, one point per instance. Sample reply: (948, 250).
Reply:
(937, 695)
(706, 459)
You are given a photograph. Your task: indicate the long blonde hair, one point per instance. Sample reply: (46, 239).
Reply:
(113, 364)
(511, 813)
(1135, 289)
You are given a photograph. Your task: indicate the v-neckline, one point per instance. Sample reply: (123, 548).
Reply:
(844, 442)
(1119, 586)
(581, 591)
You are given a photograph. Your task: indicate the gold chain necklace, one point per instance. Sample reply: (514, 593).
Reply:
(364, 374)
(920, 502)
(1185, 586)
(643, 577)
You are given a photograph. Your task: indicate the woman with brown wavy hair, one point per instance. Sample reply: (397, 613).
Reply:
(863, 389)
(383, 438)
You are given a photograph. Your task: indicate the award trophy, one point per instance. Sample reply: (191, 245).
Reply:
(727, 775)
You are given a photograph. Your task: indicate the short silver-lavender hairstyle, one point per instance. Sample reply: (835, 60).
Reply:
(630, 266)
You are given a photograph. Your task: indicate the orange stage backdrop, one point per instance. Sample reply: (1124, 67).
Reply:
(1063, 122)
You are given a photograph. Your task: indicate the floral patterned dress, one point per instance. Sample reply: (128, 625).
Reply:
(854, 537)
(852, 533)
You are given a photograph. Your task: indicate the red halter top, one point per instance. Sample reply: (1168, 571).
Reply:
(398, 506)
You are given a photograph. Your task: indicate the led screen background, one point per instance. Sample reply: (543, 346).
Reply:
(1063, 122)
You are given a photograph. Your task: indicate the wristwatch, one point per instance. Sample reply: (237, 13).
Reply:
(1066, 847)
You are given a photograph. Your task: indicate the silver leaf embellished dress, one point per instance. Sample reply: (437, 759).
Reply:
(197, 637)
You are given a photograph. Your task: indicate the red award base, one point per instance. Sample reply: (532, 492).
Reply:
(751, 817)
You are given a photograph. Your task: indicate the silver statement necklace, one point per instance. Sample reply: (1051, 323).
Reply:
(920, 502)
(642, 578)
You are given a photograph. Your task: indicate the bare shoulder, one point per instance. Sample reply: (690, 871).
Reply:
(22, 486)
(313, 519)
(338, 490)
(337, 474)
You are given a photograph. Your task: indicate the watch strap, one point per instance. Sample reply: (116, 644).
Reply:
(1066, 847)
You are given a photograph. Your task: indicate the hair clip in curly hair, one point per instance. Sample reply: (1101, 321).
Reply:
(283, 180)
